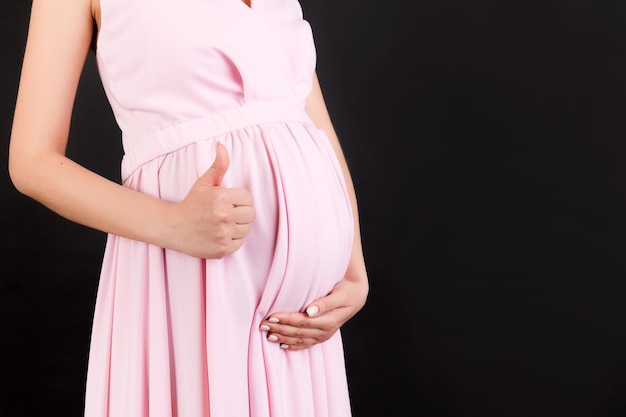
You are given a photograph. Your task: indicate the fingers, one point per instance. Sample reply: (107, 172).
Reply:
(296, 331)
(241, 231)
(320, 320)
(336, 299)
(240, 197)
(212, 221)
(215, 174)
(243, 214)
(296, 338)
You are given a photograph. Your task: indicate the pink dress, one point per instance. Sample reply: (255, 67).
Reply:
(178, 336)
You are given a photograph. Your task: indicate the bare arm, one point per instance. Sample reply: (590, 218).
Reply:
(324, 316)
(59, 37)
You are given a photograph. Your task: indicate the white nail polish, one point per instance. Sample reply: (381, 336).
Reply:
(264, 327)
(273, 320)
(284, 346)
(312, 310)
(272, 338)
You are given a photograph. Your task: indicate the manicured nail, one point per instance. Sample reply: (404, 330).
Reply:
(284, 346)
(264, 327)
(273, 320)
(312, 310)
(272, 338)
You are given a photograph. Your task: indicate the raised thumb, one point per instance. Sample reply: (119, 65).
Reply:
(215, 174)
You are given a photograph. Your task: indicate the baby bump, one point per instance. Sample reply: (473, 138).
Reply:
(317, 220)
(301, 239)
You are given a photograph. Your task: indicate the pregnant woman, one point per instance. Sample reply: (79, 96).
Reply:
(233, 251)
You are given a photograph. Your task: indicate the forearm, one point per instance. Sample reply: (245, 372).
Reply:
(89, 199)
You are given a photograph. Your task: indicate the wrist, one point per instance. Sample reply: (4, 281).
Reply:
(161, 229)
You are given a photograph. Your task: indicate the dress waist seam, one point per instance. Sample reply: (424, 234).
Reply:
(152, 145)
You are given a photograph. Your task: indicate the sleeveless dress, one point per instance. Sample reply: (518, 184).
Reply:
(178, 336)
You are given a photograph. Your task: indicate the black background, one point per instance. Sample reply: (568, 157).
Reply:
(487, 140)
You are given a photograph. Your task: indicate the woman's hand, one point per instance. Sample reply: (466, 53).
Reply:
(212, 221)
(321, 319)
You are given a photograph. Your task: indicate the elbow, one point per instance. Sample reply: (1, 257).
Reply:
(19, 172)
(17, 176)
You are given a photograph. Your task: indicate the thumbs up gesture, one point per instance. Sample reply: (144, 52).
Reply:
(212, 221)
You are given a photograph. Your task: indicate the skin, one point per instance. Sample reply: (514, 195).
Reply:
(210, 222)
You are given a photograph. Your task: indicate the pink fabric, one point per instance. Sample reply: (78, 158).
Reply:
(178, 336)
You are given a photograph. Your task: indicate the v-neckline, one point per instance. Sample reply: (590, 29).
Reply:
(249, 6)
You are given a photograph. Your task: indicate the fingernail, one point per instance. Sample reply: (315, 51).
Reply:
(272, 320)
(272, 338)
(264, 327)
(284, 346)
(312, 310)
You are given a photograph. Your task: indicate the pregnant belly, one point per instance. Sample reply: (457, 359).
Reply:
(301, 239)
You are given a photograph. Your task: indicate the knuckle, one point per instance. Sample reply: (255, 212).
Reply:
(229, 249)
(224, 248)
(223, 216)
(320, 336)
